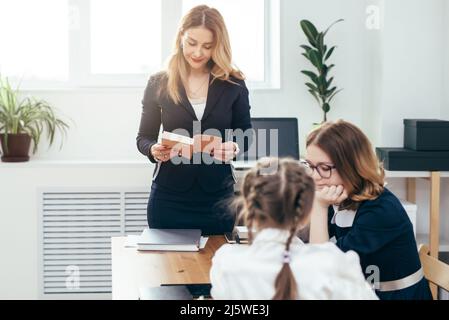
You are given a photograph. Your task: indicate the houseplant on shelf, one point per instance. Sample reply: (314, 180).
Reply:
(23, 120)
(318, 53)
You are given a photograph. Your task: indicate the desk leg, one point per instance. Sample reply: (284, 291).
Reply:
(434, 233)
(411, 190)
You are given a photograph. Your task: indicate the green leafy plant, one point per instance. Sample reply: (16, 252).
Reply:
(28, 115)
(318, 53)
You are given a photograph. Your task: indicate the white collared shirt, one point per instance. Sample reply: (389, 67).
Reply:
(321, 271)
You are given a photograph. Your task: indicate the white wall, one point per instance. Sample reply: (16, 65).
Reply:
(445, 111)
(412, 59)
(372, 84)
(445, 106)
(19, 213)
(105, 124)
(408, 77)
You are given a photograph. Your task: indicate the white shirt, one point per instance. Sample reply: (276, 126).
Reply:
(321, 271)
(198, 105)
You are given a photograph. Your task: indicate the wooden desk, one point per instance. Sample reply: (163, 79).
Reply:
(434, 179)
(132, 269)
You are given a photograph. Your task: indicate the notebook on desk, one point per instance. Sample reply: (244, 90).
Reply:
(169, 239)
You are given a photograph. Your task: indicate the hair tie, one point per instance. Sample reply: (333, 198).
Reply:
(287, 257)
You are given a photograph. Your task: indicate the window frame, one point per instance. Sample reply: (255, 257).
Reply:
(80, 78)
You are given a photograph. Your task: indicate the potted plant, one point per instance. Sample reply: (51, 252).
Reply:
(22, 121)
(318, 53)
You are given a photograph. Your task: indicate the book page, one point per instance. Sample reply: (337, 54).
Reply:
(205, 143)
(186, 146)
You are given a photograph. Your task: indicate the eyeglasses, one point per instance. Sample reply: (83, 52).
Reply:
(324, 170)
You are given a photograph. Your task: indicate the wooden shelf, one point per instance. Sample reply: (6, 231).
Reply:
(413, 174)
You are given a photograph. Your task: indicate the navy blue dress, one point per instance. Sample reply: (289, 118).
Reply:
(382, 234)
(196, 208)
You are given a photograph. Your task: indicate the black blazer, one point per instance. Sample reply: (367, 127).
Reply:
(227, 107)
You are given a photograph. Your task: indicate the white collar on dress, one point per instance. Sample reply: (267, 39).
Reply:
(343, 218)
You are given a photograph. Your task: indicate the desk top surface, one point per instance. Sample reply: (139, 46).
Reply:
(132, 269)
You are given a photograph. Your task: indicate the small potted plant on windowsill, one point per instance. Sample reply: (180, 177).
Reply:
(22, 121)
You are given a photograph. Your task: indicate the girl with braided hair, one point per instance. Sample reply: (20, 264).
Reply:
(277, 197)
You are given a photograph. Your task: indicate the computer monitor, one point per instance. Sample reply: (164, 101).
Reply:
(270, 131)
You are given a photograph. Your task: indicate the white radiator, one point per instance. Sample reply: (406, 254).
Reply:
(75, 229)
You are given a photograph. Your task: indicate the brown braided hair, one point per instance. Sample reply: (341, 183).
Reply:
(278, 193)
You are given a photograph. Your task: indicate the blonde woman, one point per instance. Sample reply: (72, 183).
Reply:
(353, 207)
(199, 89)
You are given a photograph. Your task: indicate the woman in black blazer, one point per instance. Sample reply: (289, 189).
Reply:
(199, 91)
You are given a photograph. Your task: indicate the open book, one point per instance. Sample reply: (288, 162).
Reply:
(169, 239)
(187, 146)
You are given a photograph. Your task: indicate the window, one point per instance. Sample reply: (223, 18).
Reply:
(118, 43)
(125, 38)
(34, 39)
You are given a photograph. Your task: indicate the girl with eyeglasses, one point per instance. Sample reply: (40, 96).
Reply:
(353, 208)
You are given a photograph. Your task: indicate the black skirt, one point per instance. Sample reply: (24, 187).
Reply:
(192, 209)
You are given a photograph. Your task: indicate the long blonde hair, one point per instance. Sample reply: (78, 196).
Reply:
(282, 199)
(353, 156)
(220, 64)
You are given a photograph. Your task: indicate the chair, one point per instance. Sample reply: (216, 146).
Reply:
(436, 271)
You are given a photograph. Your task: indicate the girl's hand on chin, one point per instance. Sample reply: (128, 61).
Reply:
(330, 195)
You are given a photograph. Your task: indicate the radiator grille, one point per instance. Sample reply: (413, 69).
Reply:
(76, 230)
